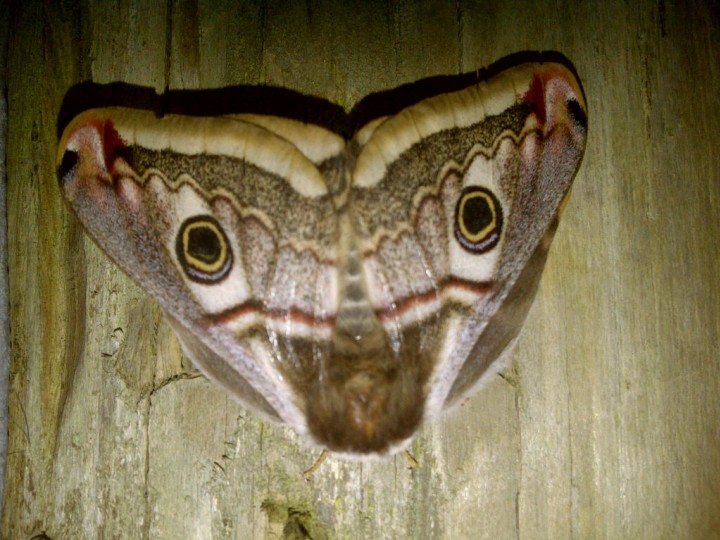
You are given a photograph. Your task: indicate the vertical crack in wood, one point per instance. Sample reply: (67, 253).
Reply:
(146, 472)
(459, 18)
(168, 43)
(517, 387)
(571, 472)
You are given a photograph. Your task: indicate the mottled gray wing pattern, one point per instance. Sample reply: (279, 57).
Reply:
(455, 201)
(230, 226)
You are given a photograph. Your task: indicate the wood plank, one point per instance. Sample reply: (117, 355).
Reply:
(605, 422)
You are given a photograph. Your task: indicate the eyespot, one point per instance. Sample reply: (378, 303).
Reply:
(203, 250)
(478, 220)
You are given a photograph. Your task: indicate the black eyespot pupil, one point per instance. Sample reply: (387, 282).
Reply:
(477, 214)
(69, 161)
(204, 244)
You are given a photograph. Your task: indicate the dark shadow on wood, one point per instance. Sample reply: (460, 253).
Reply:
(270, 100)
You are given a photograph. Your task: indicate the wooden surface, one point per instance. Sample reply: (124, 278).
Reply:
(606, 424)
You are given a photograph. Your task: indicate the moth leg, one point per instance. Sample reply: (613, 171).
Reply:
(411, 460)
(307, 475)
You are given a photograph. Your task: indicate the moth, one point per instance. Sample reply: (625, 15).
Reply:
(351, 289)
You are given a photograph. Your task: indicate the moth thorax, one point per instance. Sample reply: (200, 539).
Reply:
(357, 326)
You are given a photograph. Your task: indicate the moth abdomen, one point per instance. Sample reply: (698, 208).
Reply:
(366, 406)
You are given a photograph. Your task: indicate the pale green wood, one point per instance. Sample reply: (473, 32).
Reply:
(603, 426)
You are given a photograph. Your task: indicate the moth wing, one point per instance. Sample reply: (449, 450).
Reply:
(226, 222)
(223, 370)
(456, 200)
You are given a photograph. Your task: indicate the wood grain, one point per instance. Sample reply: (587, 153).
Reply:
(605, 425)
